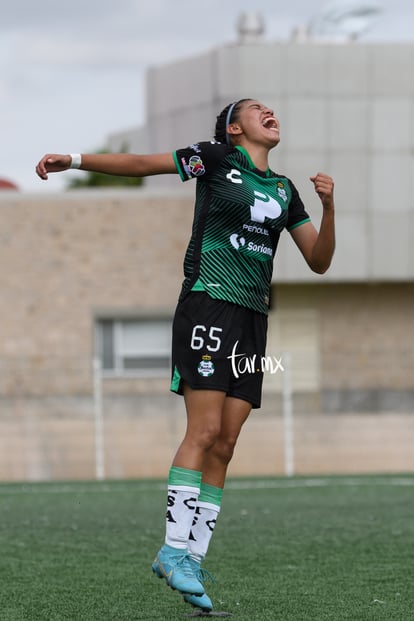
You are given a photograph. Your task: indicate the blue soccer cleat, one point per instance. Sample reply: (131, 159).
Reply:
(203, 602)
(199, 601)
(175, 567)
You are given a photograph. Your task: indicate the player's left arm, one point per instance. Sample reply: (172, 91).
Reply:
(318, 247)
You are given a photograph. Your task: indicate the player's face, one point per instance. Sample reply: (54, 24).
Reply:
(258, 124)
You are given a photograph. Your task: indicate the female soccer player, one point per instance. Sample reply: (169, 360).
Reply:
(241, 208)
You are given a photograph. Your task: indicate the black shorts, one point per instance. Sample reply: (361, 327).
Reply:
(217, 345)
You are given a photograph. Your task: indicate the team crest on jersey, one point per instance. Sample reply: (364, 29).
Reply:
(281, 191)
(205, 366)
(195, 164)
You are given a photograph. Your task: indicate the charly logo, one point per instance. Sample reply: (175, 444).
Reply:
(205, 366)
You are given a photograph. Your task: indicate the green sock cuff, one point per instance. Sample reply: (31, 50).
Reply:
(182, 476)
(211, 494)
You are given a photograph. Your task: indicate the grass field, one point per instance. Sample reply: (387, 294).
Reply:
(284, 549)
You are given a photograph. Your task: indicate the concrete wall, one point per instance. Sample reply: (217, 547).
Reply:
(41, 440)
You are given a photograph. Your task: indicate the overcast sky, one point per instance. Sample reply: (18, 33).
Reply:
(73, 72)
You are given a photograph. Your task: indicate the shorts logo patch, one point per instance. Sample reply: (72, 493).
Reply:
(205, 367)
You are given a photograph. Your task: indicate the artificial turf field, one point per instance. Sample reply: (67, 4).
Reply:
(284, 549)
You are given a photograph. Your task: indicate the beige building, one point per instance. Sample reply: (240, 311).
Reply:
(94, 276)
(87, 274)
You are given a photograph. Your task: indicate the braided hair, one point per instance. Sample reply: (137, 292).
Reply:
(228, 115)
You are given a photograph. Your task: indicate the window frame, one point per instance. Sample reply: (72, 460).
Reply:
(120, 353)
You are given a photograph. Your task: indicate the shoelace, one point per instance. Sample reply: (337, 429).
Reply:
(199, 572)
(184, 562)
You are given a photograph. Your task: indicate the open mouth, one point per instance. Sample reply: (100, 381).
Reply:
(270, 123)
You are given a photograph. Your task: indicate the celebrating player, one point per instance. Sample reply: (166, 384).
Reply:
(241, 208)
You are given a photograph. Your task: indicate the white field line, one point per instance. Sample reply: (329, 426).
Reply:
(232, 484)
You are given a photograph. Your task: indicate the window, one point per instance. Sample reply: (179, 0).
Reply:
(134, 346)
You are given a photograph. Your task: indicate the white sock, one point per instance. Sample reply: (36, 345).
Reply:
(202, 529)
(183, 493)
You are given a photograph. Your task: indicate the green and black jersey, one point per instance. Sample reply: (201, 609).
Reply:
(239, 215)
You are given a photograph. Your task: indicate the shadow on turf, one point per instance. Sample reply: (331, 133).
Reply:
(200, 613)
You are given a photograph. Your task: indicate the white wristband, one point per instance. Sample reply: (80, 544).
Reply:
(76, 160)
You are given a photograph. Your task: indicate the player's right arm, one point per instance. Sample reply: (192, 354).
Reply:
(120, 164)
